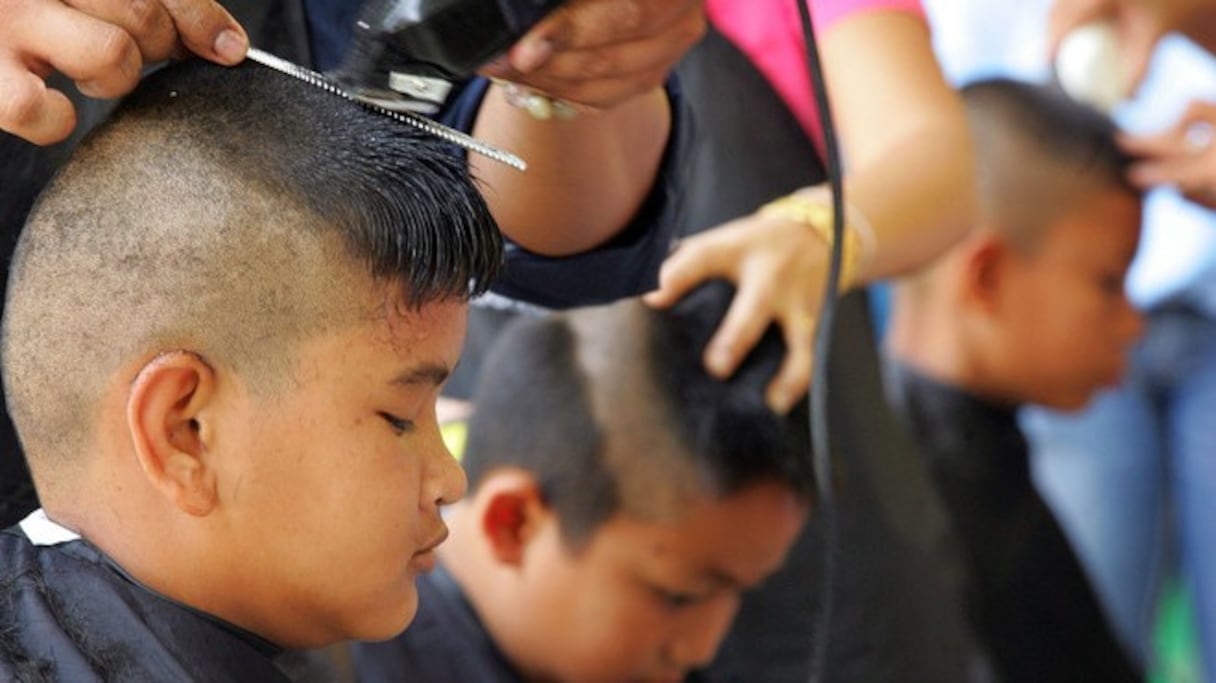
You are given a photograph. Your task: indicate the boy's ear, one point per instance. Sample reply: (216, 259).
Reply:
(985, 265)
(513, 513)
(168, 435)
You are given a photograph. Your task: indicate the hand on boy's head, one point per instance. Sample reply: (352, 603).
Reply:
(102, 45)
(1183, 156)
(600, 53)
(780, 268)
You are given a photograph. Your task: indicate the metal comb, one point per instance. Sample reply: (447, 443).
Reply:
(439, 130)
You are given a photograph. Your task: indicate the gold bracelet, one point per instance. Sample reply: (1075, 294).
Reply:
(818, 217)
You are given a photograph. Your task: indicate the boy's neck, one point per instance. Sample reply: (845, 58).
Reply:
(933, 338)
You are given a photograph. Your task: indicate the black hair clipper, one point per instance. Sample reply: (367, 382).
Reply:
(406, 54)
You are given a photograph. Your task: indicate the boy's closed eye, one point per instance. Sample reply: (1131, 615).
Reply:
(399, 425)
(677, 599)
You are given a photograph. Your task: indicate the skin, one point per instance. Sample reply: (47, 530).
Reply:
(1051, 326)
(1139, 25)
(230, 501)
(1182, 155)
(910, 177)
(644, 600)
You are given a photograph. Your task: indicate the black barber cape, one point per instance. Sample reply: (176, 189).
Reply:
(445, 643)
(68, 613)
(1027, 596)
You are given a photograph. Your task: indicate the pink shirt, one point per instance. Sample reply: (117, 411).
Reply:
(769, 32)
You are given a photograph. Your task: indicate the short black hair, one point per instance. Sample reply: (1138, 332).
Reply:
(232, 211)
(558, 393)
(1038, 154)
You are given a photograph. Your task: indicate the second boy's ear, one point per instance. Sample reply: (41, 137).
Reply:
(985, 260)
(168, 436)
(514, 509)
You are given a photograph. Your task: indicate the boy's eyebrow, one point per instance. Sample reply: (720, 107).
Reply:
(432, 374)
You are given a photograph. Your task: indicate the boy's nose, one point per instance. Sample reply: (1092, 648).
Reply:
(1132, 323)
(446, 480)
(697, 641)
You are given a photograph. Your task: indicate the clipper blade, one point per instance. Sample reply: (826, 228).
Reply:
(439, 130)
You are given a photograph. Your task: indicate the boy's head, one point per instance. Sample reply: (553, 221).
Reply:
(226, 324)
(1033, 300)
(623, 497)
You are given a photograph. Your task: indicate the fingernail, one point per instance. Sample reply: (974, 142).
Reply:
(780, 401)
(718, 361)
(531, 54)
(231, 46)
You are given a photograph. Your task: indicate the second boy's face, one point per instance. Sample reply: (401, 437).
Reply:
(334, 484)
(649, 601)
(1066, 320)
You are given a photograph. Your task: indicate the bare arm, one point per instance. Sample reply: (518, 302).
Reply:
(909, 167)
(908, 171)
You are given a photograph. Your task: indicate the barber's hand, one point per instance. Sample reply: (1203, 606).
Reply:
(1183, 156)
(100, 44)
(1138, 23)
(779, 268)
(600, 53)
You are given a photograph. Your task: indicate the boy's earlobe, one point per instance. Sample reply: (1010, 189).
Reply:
(509, 520)
(169, 437)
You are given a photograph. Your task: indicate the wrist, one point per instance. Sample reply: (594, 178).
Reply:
(812, 208)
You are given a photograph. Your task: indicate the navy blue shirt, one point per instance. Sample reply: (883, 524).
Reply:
(68, 613)
(446, 642)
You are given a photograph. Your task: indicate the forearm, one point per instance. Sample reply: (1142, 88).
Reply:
(587, 177)
(919, 205)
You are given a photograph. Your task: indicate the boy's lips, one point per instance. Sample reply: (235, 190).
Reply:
(438, 539)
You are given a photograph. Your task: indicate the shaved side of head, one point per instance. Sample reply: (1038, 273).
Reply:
(230, 212)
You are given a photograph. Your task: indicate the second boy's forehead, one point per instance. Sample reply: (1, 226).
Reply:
(1104, 229)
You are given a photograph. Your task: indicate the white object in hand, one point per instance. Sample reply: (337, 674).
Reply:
(1087, 65)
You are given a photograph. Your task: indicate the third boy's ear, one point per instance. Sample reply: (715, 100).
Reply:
(510, 518)
(986, 259)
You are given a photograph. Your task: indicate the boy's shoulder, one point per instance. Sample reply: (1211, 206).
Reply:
(68, 614)
(445, 642)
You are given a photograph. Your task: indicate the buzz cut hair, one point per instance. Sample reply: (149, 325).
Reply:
(612, 411)
(1039, 154)
(232, 212)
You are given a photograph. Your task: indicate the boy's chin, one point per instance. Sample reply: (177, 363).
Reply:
(385, 623)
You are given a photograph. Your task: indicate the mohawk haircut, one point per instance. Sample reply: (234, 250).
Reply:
(1038, 154)
(233, 212)
(612, 411)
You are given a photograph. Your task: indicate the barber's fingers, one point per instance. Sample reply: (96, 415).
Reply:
(794, 376)
(102, 58)
(208, 30)
(584, 24)
(698, 259)
(145, 21)
(606, 75)
(1190, 135)
(749, 315)
(1194, 176)
(30, 110)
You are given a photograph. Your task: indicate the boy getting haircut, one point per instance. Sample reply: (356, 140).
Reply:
(1028, 308)
(622, 500)
(226, 326)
